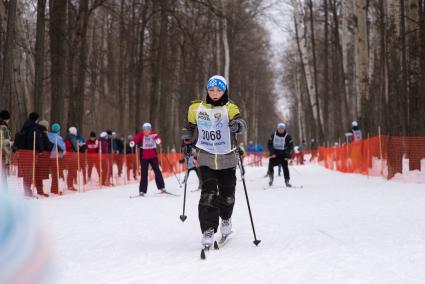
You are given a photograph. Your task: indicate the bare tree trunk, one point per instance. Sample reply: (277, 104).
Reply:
(226, 51)
(140, 66)
(301, 44)
(361, 57)
(57, 57)
(316, 87)
(7, 80)
(77, 105)
(39, 56)
(218, 47)
(326, 69)
(404, 83)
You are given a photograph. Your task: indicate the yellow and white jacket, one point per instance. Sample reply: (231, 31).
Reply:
(190, 131)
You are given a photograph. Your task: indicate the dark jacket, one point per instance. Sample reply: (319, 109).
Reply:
(47, 145)
(288, 148)
(27, 137)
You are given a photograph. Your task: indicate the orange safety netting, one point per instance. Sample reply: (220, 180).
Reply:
(376, 156)
(78, 172)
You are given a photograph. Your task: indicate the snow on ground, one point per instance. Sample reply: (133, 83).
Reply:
(339, 228)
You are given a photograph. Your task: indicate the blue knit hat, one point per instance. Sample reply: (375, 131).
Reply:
(56, 127)
(217, 81)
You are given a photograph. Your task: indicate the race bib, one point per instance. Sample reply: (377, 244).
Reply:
(149, 142)
(357, 135)
(213, 130)
(279, 142)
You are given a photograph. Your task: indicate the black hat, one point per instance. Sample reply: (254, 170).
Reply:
(33, 116)
(109, 132)
(4, 114)
(92, 134)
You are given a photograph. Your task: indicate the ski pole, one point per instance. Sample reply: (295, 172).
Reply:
(256, 241)
(183, 217)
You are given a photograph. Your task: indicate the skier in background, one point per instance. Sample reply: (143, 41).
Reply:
(281, 147)
(147, 140)
(355, 134)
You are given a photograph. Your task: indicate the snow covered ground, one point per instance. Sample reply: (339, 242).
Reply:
(339, 228)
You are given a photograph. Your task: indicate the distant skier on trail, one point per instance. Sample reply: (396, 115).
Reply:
(212, 126)
(281, 147)
(354, 134)
(147, 140)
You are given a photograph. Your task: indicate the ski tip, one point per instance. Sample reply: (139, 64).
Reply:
(216, 245)
(256, 242)
(183, 218)
(202, 254)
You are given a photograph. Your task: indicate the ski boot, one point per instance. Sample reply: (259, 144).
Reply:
(287, 183)
(226, 227)
(270, 179)
(208, 238)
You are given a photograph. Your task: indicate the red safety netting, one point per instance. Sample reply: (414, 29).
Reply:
(376, 156)
(79, 172)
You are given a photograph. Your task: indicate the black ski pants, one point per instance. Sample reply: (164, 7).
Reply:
(217, 196)
(279, 160)
(143, 188)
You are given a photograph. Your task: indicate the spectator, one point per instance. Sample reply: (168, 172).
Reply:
(56, 157)
(5, 148)
(25, 140)
(74, 142)
(92, 157)
(42, 170)
(313, 149)
(104, 160)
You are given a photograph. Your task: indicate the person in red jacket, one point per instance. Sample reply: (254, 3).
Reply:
(92, 154)
(147, 140)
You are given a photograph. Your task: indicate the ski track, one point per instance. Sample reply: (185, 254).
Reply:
(339, 228)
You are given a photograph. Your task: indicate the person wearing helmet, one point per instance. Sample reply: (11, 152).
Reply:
(354, 134)
(357, 133)
(147, 140)
(281, 148)
(211, 127)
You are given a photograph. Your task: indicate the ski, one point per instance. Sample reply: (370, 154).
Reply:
(195, 190)
(294, 186)
(136, 196)
(167, 192)
(282, 187)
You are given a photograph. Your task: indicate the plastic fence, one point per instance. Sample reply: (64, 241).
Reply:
(79, 172)
(376, 156)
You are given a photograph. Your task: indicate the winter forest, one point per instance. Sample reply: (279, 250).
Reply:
(109, 64)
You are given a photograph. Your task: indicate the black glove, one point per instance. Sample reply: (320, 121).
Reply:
(234, 126)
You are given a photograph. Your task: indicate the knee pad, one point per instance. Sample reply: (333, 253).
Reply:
(207, 199)
(225, 200)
